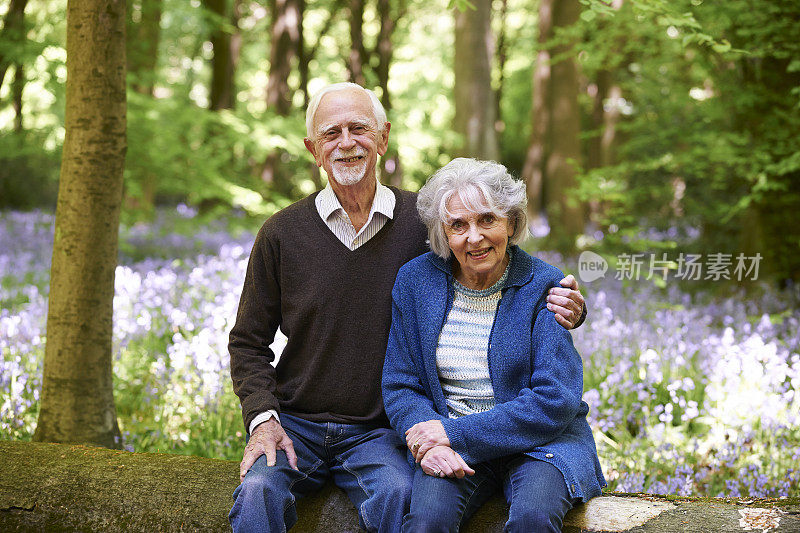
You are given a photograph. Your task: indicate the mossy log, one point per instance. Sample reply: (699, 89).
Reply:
(56, 487)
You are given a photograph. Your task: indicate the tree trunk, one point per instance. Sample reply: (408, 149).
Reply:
(286, 31)
(144, 34)
(13, 32)
(77, 402)
(533, 171)
(358, 56)
(501, 68)
(55, 487)
(605, 111)
(226, 54)
(555, 144)
(16, 95)
(392, 172)
(287, 19)
(475, 101)
(310, 52)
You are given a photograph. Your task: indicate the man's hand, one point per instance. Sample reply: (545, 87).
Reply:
(443, 461)
(423, 436)
(566, 303)
(266, 439)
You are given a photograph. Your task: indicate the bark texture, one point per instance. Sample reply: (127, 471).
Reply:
(475, 100)
(13, 31)
(56, 487)
(17, 89)
(392, 171)
(555, 140)
(226, 46)
(144, 35)
(285, 50)
(285, 30)
(77, 403)
(358, 55)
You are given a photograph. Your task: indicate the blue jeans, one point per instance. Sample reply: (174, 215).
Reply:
(535, 491)
(368, 463)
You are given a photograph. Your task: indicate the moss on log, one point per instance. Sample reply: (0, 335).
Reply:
(56, 487)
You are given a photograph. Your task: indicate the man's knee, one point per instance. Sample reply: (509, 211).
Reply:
(262, 502)
(262, 481)
(256, 481)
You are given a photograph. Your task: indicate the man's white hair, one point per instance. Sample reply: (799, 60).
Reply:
(377, 107)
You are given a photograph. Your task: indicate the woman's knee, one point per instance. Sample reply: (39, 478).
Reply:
(526, 520)
(429, 522)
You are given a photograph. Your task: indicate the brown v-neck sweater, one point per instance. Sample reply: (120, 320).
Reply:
(333, 304)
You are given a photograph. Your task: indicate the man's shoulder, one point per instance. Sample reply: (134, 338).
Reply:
(406, 195)
(290, 215)
(405, 200)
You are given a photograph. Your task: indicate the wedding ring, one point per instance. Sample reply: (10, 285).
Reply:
(415, 446)
(437, 473)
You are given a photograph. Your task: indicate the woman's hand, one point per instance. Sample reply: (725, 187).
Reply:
(443, 461)
(423, 436)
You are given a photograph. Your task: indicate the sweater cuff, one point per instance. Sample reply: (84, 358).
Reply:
(456, 437)
(263, 417)
(583, 316)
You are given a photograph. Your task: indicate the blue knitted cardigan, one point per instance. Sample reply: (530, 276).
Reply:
(536, 373)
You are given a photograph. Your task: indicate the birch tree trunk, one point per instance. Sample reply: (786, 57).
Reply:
(77, 402)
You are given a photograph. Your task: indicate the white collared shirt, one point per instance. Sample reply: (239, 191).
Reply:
(335, 217)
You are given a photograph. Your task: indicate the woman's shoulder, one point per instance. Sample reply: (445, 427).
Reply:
(544, 270)
(541, 275)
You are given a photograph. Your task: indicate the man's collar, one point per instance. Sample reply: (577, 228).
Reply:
(328, 203)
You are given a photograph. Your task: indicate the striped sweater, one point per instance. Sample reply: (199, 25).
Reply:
(461, 353)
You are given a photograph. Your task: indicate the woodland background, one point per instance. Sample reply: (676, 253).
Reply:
(639, 126)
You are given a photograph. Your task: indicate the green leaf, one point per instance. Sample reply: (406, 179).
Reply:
(722, 46)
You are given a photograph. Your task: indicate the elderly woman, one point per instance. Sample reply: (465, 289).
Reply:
(479, 377)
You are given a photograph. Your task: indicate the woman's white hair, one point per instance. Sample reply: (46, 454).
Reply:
(482, 186)
(377, 107)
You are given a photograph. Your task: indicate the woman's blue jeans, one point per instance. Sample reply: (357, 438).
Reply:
(535, 491)
(368, 463)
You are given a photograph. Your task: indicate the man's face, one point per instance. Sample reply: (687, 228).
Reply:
(346, 140)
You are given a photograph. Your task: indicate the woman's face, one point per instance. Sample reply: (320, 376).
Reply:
(478, 242)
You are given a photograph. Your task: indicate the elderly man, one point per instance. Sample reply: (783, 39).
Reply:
(322, 269)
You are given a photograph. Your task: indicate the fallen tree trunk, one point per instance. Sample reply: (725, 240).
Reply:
(80, 488)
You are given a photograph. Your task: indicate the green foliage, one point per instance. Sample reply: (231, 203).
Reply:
(708, 135)
(178, 151)
(28, 171)
(709, 130)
